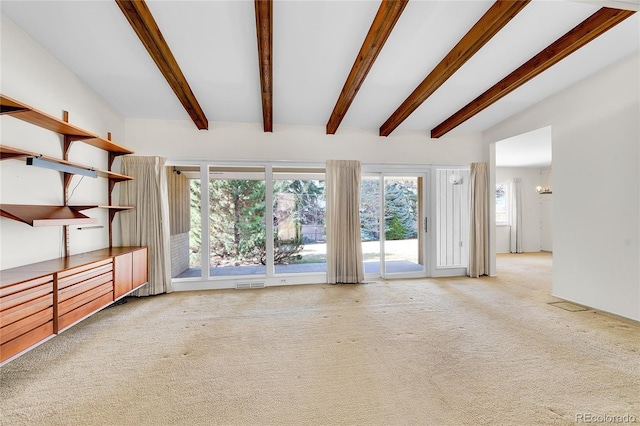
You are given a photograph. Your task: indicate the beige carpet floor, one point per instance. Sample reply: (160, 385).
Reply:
(454, 351)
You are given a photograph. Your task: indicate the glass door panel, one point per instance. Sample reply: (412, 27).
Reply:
(403, 240)
(391, 217)
(195, 232)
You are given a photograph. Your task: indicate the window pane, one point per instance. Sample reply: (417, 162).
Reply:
(299, 207)
(370, 223)
(501, 203)
(195, 247)
(237, 233)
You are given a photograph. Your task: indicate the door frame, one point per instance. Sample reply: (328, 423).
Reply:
(424, 235)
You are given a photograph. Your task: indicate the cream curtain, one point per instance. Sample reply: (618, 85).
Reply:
(148, 224)
(478, 226)
(344, 245)
(516, 215)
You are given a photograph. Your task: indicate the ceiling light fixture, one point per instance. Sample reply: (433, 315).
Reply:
(67, 168)
(546, 189)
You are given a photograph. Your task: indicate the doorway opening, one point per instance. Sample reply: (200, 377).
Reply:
(523, 215)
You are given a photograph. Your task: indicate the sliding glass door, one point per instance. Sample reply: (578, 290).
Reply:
(392, 224)
(267, 222)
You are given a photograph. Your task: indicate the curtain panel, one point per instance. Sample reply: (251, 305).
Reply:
(148, 223)
(516, 216)
(344, 244)
(479, 221)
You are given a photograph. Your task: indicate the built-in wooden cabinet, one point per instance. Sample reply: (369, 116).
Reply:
(43, 299)
(40, 300)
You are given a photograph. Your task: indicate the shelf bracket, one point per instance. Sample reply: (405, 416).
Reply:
(66, 144)
(112, 157)
(7, 109)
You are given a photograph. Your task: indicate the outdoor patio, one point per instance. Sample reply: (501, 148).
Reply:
(401, 257)
(392, 267)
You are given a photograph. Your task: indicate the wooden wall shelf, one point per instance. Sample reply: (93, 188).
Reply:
(119, 208)
(31, 115)
(11, 153)
(39, 215)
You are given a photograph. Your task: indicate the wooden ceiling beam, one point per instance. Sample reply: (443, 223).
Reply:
(264, 30)
(498, 15)
(388, 14)
(139, 16)
(598, 23)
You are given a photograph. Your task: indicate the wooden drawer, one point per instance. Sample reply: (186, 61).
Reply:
(83, 291)
(25, 325)
(77, 301)
(20, 312)
(76, 289)
(25, 341)
(84, 311)
(21, 286)
(85, 272)
(24, 297)
(26, 315)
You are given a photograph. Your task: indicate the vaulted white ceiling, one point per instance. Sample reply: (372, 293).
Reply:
(315, 44)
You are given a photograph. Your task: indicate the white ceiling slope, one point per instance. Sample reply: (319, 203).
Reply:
(314, 46)
(531, 149)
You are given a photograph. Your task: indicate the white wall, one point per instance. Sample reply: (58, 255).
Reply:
(530, 209)
(596, 186)
(181, 140)
(31, 75)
